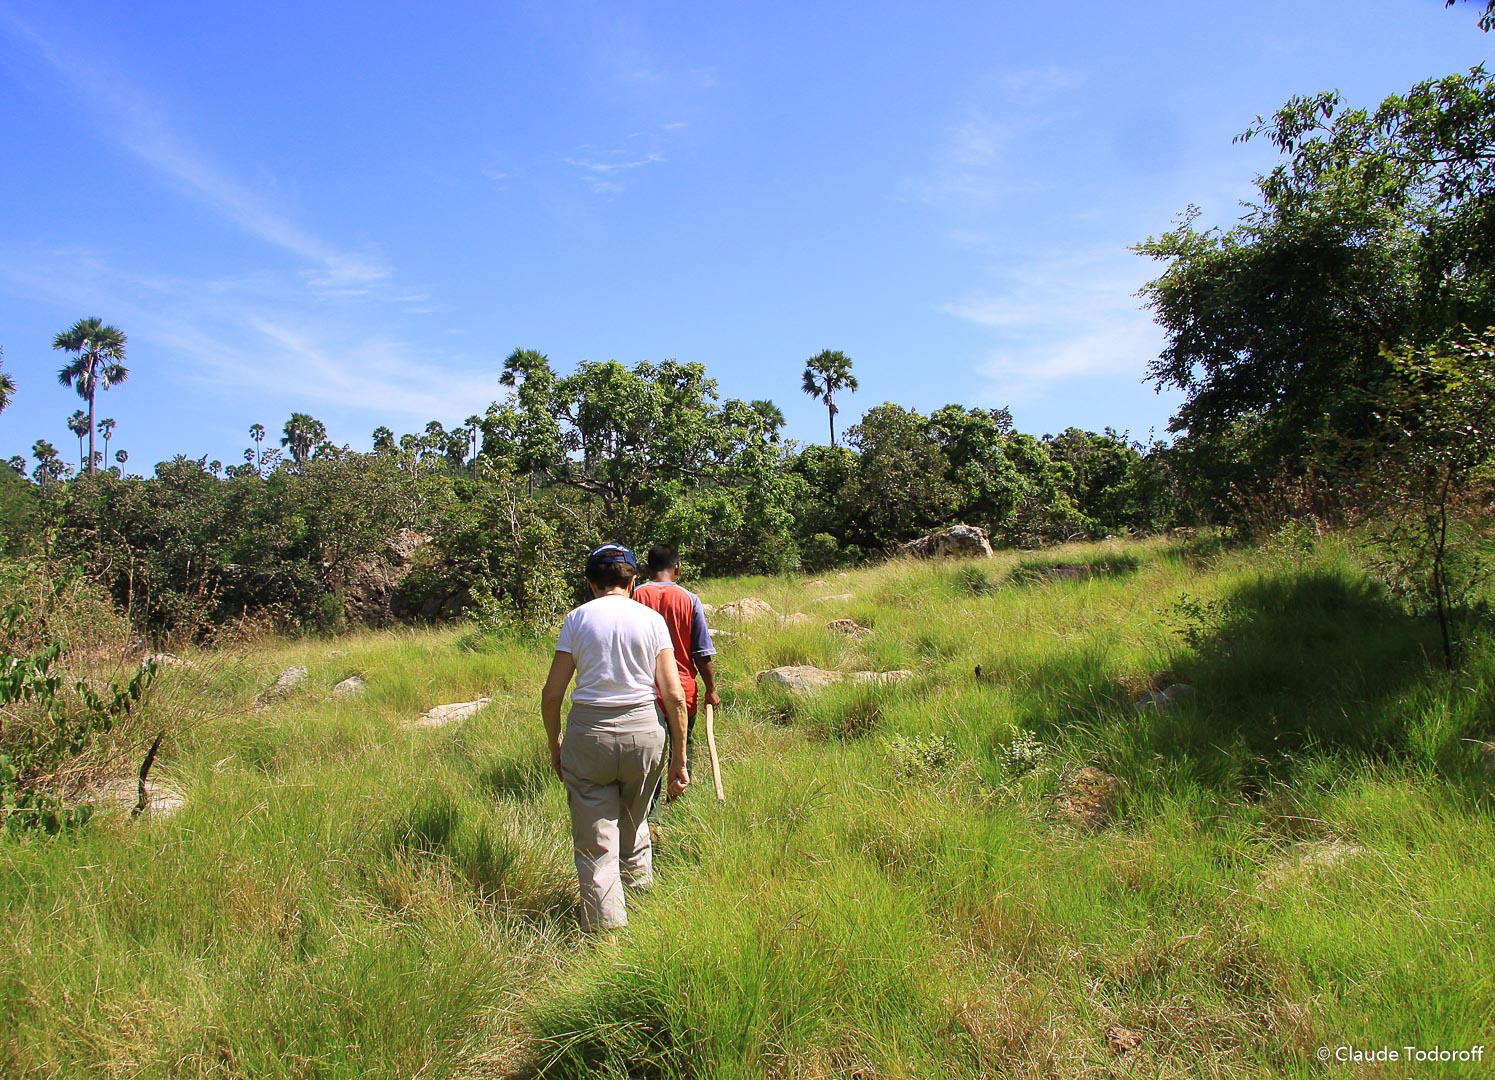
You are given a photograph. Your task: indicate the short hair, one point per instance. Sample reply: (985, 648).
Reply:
(662, 557)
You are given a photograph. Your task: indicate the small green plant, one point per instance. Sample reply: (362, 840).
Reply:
(54, 727)
(922, 759)
(1198, 620)
(1024, 755)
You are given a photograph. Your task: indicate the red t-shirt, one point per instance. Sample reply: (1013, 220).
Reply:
(686, 621)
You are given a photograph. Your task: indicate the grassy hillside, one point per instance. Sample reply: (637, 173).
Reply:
(1296, 856)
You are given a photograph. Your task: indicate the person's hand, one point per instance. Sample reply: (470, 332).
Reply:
(555, 763)
(679, 781)
(714, 699)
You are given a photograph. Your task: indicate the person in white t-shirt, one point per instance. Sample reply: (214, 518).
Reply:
(612, 757)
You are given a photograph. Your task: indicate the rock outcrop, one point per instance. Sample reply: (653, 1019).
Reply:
(353, 684)
(956, 542)
(368, 583)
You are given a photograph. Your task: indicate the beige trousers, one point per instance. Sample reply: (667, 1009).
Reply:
(612, 759)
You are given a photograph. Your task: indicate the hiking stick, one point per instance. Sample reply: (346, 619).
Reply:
(716, 765)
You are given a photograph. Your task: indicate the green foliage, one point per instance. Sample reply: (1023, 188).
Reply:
(826, 374)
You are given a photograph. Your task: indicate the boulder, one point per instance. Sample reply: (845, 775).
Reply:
(748, 609)
(835, 598)
(956, 542)
(849, 627)
(285, 684)
(799, 618)
(351, 685)
(882, 678)
(817, 583)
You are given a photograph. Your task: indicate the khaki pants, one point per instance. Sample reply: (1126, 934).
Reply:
(612, 759)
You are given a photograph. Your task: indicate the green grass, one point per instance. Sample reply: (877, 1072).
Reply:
(1298, 857)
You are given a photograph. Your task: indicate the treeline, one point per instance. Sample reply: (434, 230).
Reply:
(496, 516)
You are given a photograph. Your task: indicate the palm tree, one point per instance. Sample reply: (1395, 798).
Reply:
(99, 363)
(78, 425)
(106, 429)
(825, 373)
(257, 433)
(302, 434)
(7, 385)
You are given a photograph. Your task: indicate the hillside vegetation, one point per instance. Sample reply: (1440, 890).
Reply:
(1297, 856)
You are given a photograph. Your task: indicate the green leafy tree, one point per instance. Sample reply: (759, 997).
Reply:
(900, 488)
(826, 374)
(301, 436)
(98, 364)
(49, 467)
(384, 440)
(1372, 230)
(527, 428)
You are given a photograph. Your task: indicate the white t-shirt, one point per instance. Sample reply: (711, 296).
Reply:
(616, 644)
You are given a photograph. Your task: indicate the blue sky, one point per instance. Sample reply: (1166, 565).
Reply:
(357, 210)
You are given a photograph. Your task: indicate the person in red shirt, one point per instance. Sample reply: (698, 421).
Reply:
(686, 620)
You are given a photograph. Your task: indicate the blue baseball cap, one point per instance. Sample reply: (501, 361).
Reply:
(610, 554)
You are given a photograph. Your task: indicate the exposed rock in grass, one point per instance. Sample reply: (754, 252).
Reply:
(166, 660)
(369, 583)
(956, 542)
(285, 684)
(122, 794)
(1486, 752)
(1310, 857)
(835, 598)
(817, 583)
(439, 715)
(1087, 797)
(748, 609)
(333, 654)
(353, 684)
(849, 627)
(1162, 700)
(797, 619)
(800, 677)
(804, 677)
(720, 634)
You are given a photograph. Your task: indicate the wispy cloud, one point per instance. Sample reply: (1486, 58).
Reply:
(1061, 320)
(138, 123)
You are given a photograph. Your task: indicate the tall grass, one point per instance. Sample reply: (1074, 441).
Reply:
(1297, 856)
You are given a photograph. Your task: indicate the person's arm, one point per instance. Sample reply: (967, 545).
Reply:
(707, 671)
(667, 679)
(702, 649)
(562, 667)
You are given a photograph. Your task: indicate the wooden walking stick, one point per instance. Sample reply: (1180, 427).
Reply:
(716, 765)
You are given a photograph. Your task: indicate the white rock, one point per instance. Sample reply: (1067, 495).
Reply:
(351, 685)
(439, 715)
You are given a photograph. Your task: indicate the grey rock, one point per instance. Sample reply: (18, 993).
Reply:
(849, 627)
(285, 684)
(351, 685)
(955, 542)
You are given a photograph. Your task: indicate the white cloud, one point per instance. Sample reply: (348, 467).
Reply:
(1061, 320)
(139, 124)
